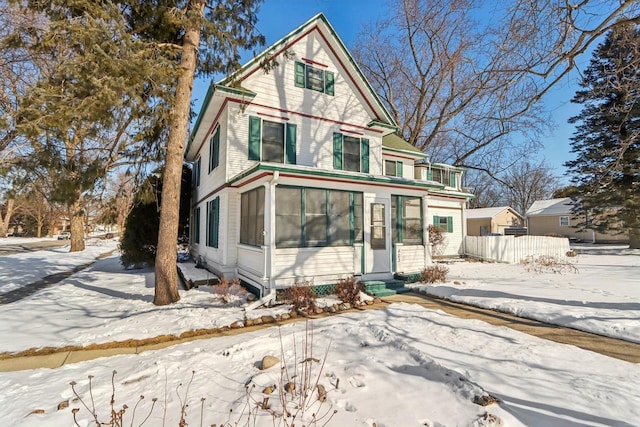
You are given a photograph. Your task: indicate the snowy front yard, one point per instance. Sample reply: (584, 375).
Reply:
(399, 366)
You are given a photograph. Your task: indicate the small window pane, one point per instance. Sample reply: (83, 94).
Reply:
(378, 230)
(411, 220)
(564, 221)
(390, 168)
(315, 78)
(394, 219)
(351, 153)
(358, 221)
(288, 217)
(272, 142)
(316, 217)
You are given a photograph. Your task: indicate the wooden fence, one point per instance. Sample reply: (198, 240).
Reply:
(513, 249)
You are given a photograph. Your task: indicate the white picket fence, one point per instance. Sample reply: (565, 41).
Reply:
(513, 249)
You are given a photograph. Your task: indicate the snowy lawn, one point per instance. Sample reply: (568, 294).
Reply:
(602, 297)
(22, 269)
(20, 240)
(399, 366)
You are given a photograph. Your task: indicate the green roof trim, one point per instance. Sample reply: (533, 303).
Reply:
(382, 125)
(396, 143)
(365, 178)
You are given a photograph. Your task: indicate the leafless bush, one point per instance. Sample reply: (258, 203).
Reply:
(226, 289)
(436, 240)
(571, 253)
(302, 296)
(348, 290)
(548, 264)
(434, 273)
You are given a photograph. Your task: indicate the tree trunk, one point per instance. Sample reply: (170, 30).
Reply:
(4, 221)
(77, 226)
(634, 238)
(166, 276)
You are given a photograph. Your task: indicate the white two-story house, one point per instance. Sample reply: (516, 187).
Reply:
(299, 175)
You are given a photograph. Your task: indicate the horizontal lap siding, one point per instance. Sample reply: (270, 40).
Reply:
(251, 260)
(410, 259)
(318, 265)
(442, 207)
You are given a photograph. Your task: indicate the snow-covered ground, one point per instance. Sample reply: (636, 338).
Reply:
(23, 269)
(601, 296)
(20, 240)
(399, 366)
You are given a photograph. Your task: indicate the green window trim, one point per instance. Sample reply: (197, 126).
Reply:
(214, 149)
(213, 222)
(364, 155)
(197, 170)
(338, 153)
(399, 166)
(301, 72)
(452, 179)
(401, 221)
(337, 150)
(196, 225)
(449, 221)
(289, 142)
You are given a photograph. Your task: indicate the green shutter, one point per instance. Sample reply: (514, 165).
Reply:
(299, 72)
(429, 175)
(255, 137)
(328, 82)
(450, 224)
(352, 220)
(196, 227)
(198, 167)
(290, 144)
(216, 221)
(436, 221)
(364, 155)
(210, 153)
(207, 230)
(399, 169)
(337, 150)
(216, 148)
(453, 179)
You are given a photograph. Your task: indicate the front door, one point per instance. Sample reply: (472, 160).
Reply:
(378, 236)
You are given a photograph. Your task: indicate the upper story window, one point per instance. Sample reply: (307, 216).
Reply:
(271, 141)
(314, 78)
(350, 153)
(214, 149)
(392, 168)
(443, 176)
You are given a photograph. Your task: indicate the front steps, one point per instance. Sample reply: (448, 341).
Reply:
(384, 288)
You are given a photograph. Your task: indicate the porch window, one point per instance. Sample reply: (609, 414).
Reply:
(312, 217)
(271, 141)
(564, 221)
(350, 153)
(406, 220)
(252, 217)
(314, 78)
(444, 223)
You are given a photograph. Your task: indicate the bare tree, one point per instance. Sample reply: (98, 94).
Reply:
(528, 182)
(467, 90)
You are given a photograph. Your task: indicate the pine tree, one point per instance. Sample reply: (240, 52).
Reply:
(606, 143)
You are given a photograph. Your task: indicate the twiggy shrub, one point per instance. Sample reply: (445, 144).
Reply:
(303, 297)
(434, 273)
(348, 290)
(436, 240)
(226, 290)
(548, 264)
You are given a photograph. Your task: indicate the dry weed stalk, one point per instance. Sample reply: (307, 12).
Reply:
(348, 290)
(434, 273)
(548, 264)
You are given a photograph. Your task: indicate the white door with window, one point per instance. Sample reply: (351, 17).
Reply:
(377, 235)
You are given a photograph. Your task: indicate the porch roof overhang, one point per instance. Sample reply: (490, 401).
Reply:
(262, 170)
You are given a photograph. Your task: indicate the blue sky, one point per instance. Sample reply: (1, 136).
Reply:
(279, 17)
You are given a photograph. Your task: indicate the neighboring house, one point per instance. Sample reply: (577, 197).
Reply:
(554, 217)
(299, 175)
(487, 221)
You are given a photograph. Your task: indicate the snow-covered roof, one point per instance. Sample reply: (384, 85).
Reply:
(482, 213)
(550, 207)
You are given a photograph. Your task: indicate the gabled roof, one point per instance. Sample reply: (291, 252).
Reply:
(488, 213)
(550, 207)
(396, 143)
(319, 22)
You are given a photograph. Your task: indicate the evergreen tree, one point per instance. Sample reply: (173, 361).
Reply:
(606, 143)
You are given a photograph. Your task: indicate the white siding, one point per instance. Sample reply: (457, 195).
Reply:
(449, 208)
(317, 265)
(410, 259)
(251, 260)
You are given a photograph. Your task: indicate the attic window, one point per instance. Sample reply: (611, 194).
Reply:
(313, 78)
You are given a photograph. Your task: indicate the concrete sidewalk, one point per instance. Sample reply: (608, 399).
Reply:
(611, 347)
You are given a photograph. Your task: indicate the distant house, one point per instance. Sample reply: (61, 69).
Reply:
(554, 217)
(299, 174)
(487, 221)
